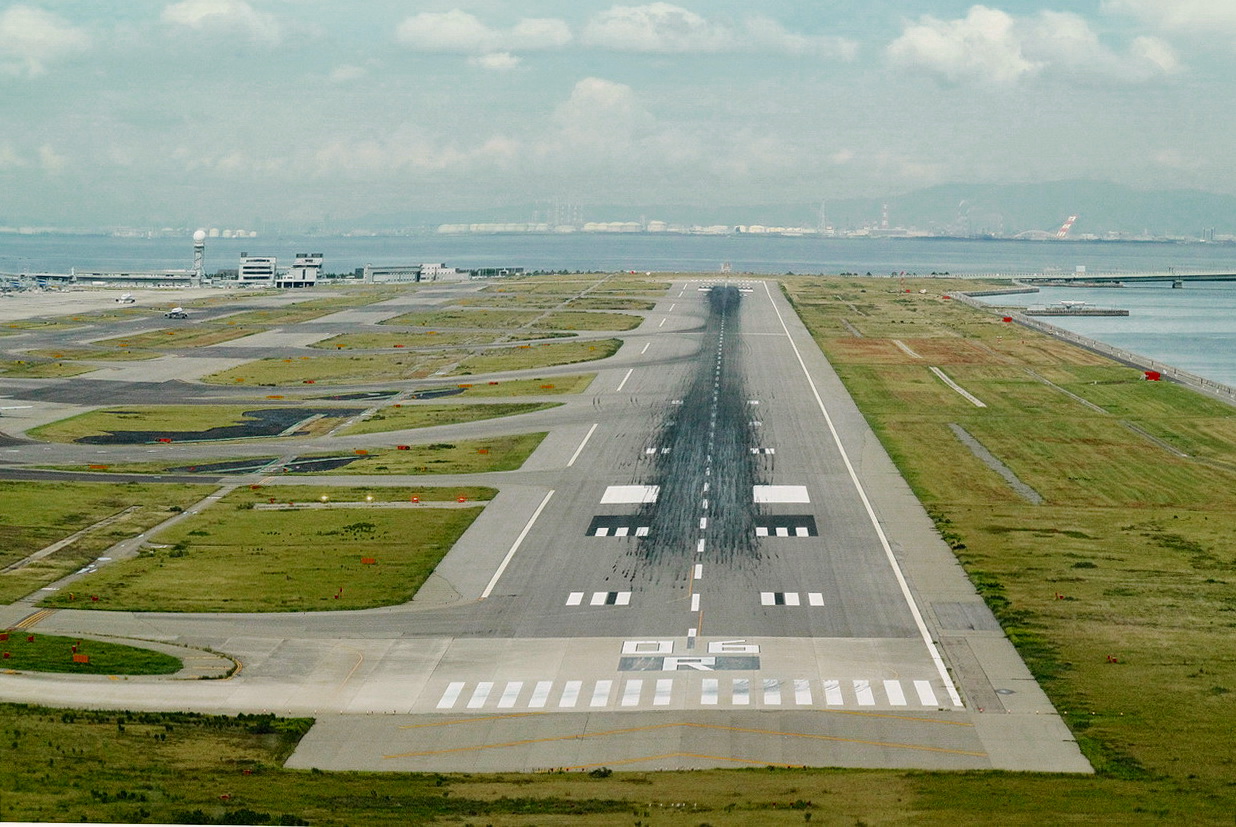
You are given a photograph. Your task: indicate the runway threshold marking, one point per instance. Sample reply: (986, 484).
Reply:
(580, 449)
(515, 546)
(936, 658)
(581, 736)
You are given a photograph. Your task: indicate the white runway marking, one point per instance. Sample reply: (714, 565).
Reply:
(924, 632)
(623, 383)
(695, 602)
(630, 494)
(570, 694)
(480, 694)
(862, 690)
(575, 598)
(515, 546)
(925, 694)
(510, 695)
(580, 449)
(802, 692)
(815, 598)
(699, 571)
(709, 691)
(664, 693)
(895, 696)
(631, 693)
(540, 694)
(645, 350)
(451, 695)
(772, 692)
(741, 693)
(832, 693)
(662, 323)
(780, 494)
(600, 694)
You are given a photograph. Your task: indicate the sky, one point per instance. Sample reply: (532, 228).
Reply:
(246, 112)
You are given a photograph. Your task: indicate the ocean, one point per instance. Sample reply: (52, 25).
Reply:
(1193, 328)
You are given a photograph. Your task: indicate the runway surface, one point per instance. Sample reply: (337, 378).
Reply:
(710, 561)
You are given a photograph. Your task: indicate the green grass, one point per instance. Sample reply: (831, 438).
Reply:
(33, 652)
(335, 370)
(34, 369)
(421, 415)
(465, 318)
(472, 456)
(235, 557)
(182, 337)
(373, 341)
(170, 767)
(609, 303)
(34, 515)
(530, 357)
(170, 418)
(1130, 554)
(581, 320)
(102, 355)
(548, 386)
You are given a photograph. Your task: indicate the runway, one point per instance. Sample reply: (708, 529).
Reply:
(709, 562)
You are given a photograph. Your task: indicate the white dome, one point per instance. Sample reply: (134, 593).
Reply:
(199, 236)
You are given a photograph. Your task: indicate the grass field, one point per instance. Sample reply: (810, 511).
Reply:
(33, 652)
(172, 419)
(609, 303)
(465, 318)
(335, 370)
(419, 415)
(34, 369)
(530, 357)
(33, 516)
(373, 341)
(472, 456)
(178, 337)
(1130, 554)
(582, 320)
(549, 386)
(234, 557)
(90, 354)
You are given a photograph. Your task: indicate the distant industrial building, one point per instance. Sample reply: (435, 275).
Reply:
(306, 268)
(257, 270)
(403, 273)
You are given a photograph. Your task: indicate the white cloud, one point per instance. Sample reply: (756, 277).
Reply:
(9, 159)
(497, 61)
(981, 46)
(769, 35)
(656, 27)
(30, 38)
(989, 46)
(1185, 16)
(50, 160)
(223, 16)
(600, 116)
(460, 32)
(347, 72)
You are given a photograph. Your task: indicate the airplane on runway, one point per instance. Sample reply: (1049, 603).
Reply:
(176, 313)
(126, 298)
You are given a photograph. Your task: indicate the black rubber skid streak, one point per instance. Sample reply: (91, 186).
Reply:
(709, 469)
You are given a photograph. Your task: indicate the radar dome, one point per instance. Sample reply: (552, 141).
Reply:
(199, 236)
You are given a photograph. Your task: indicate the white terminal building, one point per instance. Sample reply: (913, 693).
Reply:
(263, 271)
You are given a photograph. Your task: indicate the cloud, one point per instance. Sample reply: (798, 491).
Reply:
(30, 38)
(497, 61)
(765, 34)
(347, 72)
(223, 16)
(1184, 16)
(656, 27)
(991, 47)
(600, 116)
(457, 31)
(50, 160)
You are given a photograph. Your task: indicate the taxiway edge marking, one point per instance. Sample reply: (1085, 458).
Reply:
(515, 546)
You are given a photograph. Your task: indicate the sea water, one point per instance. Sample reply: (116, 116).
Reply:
(1193, 327)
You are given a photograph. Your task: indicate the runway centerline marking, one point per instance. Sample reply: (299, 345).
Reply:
(623, 383)
(515, 546)
(871, 515)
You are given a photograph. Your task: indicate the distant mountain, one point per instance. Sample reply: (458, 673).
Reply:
(952, 209)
